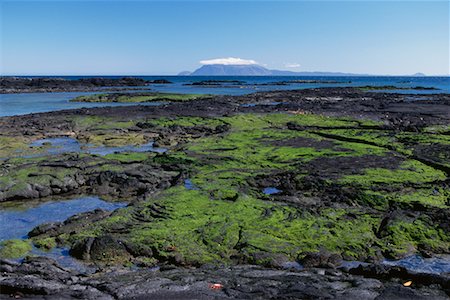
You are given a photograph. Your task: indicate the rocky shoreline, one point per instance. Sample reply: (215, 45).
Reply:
(13, 85)
(44, 279)
(355, 175)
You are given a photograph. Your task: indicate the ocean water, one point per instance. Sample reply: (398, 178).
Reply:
(27, 103)
(19, 104)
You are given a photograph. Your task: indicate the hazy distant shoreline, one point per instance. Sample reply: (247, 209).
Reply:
(13, 85)
(52, 84)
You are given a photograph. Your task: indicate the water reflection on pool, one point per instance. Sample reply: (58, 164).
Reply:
(62, 145)
(417, 263)
(16, 222)
(271, 191)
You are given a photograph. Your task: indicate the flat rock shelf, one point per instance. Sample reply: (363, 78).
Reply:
(324, 193)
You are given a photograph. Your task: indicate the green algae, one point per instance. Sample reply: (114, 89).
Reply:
(380, 138)
(139, 97)
(244, 151)
(280, 119)
(432, 196)
(15, 248)
(443, 129)
(210, 231)
(187, 122)
(18, 178)
(174, 158)
(115, 140)
(423, 138)
(129, 157)
(14, 148)
(45, 243)
(405, 237)
(93, 123)
(410, 171)
(9, 146)
(225, 220)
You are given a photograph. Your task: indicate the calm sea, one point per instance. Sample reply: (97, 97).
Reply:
(18, 104)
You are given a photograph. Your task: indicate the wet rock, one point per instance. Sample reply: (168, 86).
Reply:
(46, 186)
(47, 268)
(22, 192)
(101, 249)
(42, 277)
(336, 167)
(272, 260)
(356, 293)
(47, 228)
(74, 224)
(82, 249)
(30, 284)
(300, 142)
(320, 259)
(108, 248)
(138, 249)
(384, 272)
(133, 182)
(308, 193)
(402, 293)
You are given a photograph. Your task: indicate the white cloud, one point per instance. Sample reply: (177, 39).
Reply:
(292, 65)
(228, 61)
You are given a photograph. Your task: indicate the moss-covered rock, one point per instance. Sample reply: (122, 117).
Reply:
(339, 178)
(15, 248)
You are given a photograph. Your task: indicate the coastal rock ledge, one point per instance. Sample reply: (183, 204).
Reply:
(43, 278)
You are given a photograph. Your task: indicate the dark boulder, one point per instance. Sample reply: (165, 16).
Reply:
(321, 259)
(160, 81)
(82, 249)
(108, 248)
(104, 248)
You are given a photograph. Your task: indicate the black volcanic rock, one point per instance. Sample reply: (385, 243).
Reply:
(160, 81)
(52, 84)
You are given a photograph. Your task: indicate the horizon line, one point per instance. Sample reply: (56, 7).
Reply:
(176, 75)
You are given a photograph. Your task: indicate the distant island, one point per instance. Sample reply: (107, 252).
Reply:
(257, 70)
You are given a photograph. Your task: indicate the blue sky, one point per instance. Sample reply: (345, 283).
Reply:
(151, 37)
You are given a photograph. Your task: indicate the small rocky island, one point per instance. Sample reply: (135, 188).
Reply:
(308, 194)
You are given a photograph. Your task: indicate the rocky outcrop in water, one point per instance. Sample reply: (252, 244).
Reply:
(51, 84)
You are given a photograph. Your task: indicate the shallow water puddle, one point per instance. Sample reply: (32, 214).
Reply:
(109, 150)
(61, 255)
(189, 185)
(417, 263)
(58, 145)
(271, 191)
(67, 144)
(17, 222)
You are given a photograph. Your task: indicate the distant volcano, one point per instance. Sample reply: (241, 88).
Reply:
(254, 70)
(231, 70)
